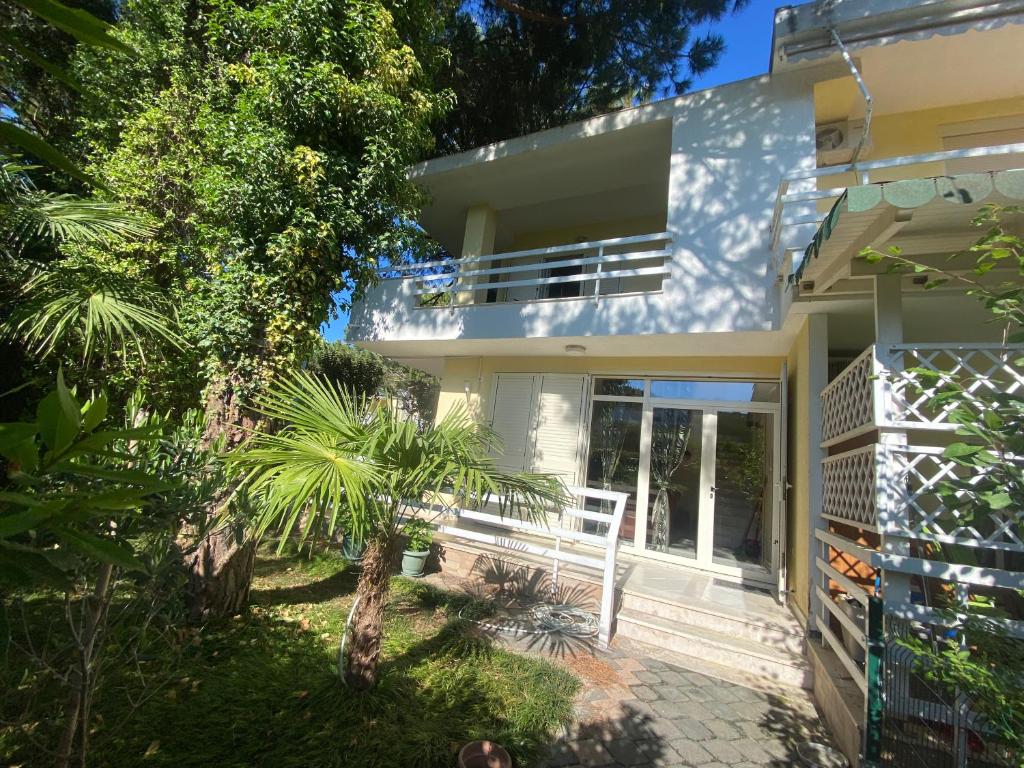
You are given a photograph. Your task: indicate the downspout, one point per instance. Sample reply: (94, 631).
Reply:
(868, 102)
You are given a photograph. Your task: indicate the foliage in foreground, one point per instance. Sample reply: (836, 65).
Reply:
(981, 660)
(262, 690)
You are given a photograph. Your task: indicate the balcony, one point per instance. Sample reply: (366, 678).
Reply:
(881, 514)
(614, 267)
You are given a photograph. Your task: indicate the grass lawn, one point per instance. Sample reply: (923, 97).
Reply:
(262, 690)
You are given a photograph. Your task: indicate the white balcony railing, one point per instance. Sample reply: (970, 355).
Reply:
(881, 503)
(595, 269)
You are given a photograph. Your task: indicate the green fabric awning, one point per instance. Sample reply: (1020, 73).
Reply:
(967, 189)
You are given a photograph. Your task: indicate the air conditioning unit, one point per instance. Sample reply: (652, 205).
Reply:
(836, 141)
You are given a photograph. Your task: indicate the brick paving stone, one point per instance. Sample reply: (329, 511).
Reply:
(693, 710)
(627, 751)
(721, 711)
(692, 729)
(648, 677)
(752, 751)
(673, 677)
(691, 752)
(722, 729)
(673, 693)
(592, 753)
(723, 751)
(645, 693)
(671, 709)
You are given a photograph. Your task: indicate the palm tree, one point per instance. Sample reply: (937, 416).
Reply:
(61, 302)
(360, 462)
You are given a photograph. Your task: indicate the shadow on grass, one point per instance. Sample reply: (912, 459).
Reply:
(320, 591)
(261, 690)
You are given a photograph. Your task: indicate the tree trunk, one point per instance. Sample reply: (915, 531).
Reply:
(220, 568)
(368, 621)
(220, 574)
(83, 679)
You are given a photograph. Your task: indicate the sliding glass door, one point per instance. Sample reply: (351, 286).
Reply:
(703, 456)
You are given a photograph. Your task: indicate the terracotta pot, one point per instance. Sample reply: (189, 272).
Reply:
(484, 754)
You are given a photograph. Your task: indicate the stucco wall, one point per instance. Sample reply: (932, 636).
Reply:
(730, 145)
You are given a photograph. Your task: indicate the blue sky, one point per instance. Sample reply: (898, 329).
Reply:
(748, 36)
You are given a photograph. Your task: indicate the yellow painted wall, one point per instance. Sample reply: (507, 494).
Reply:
(468, 381)
(905, 133)
(798, 518)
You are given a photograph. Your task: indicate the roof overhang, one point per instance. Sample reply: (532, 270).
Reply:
(927, 219)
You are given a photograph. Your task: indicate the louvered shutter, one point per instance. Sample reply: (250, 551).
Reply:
(512, 418)
(558, 424)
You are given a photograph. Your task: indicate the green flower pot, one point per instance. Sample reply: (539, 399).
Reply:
(413, 563)
(352, 549)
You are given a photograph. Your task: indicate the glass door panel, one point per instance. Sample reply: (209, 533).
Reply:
(742, 489)
(613, 462)
(673, 503)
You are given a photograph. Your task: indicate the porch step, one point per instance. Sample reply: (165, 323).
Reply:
(765, 660)
(778, 629)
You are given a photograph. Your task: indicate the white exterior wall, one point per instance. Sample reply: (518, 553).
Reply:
(730, 146)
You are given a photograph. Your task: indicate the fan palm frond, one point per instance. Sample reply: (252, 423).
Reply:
(337, 455)
(93, 309)
(29, 216)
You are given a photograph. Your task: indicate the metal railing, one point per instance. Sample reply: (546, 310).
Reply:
(786, 195)
(635, 264)
(609, 541)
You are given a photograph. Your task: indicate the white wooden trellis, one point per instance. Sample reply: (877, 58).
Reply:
(609, 541)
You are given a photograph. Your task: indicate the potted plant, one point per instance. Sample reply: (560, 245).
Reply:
(414, 558)
(352, 547)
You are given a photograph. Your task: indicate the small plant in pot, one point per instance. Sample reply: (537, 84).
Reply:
(414, 558)
(352, 547)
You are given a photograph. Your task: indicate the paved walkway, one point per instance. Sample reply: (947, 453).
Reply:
(635, 710)
(642, 706)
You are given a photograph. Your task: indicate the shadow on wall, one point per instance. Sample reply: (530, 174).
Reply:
(730, 146)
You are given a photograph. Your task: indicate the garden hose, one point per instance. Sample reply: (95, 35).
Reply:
(344, 638)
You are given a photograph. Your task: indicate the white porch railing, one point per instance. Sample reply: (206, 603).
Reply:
(636, 264)
(609, 541)
(887, 491)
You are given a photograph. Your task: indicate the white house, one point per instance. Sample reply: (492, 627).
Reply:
(669, 301)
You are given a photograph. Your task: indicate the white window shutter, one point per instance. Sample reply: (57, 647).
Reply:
(558, 425)
(512, 417)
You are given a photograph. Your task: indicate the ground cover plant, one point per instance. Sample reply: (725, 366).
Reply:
(262, 689)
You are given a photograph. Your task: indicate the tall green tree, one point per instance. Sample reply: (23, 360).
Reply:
(519, 66)
(269, 141)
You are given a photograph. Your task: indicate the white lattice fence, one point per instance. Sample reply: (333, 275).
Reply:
(918, 472)
(982, 370)
(848, 401)
(848, 481)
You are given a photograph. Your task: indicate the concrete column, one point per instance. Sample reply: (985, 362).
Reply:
(889, 331)
(817, 379)
(481, 225)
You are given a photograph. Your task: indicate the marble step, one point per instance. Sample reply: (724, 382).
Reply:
(778, 630)
(761, 659)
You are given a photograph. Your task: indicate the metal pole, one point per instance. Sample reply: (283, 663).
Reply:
(873, 702)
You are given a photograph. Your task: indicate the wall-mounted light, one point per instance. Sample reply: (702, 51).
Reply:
(575, 350)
